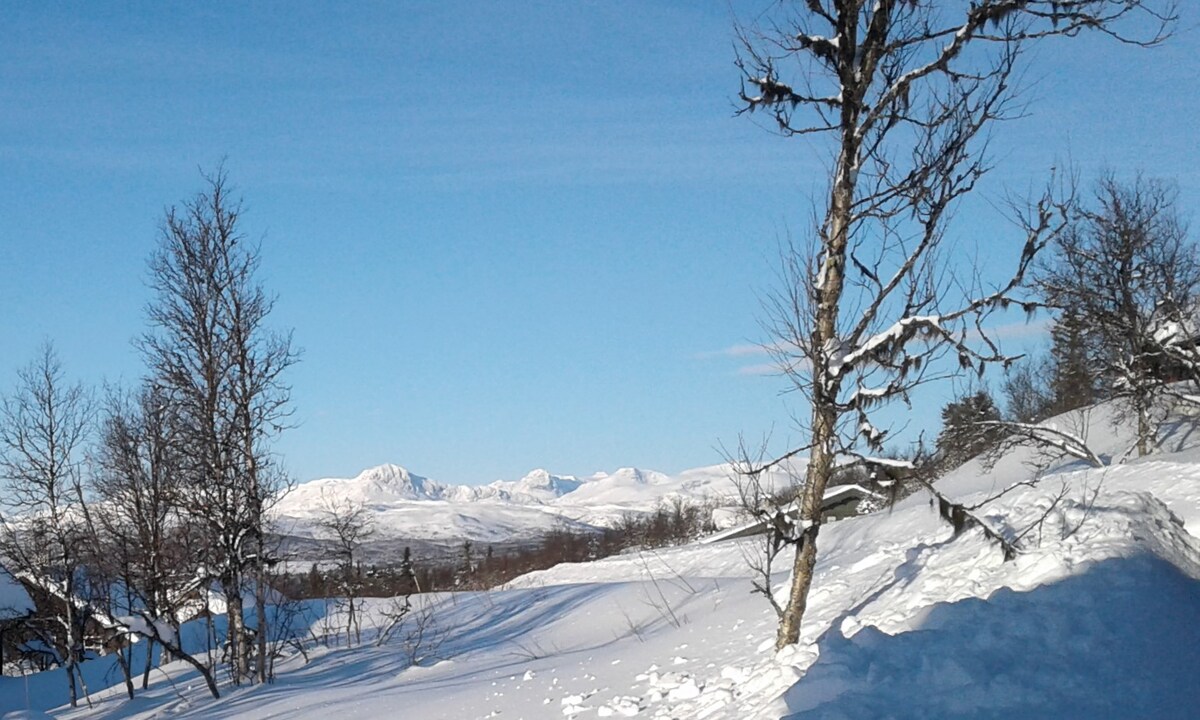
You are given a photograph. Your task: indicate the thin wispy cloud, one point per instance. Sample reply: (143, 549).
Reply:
(734, 351)
(747, 351)
(759, 370)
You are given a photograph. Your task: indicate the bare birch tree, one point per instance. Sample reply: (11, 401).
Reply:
(139, 485)
(348, 524)
(1129, 267)
(211, 353)
(44, 426)
(904, 93)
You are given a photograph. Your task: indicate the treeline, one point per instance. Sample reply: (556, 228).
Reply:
(1123, 284)
(127, 507)
(475, 567)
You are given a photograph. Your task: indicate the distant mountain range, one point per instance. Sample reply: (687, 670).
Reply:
(407, 508)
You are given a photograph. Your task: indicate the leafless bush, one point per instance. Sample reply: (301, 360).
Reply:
(532, 649)
(349, 525)
(414, 629)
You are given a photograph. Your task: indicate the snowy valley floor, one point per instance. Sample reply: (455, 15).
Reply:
(1097, 618)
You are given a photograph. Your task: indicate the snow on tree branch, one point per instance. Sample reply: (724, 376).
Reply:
(1050, 436)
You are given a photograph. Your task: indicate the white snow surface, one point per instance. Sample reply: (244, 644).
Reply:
(1096, 618)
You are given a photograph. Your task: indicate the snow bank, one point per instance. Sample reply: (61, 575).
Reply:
(1097, 624)
(1117, 640)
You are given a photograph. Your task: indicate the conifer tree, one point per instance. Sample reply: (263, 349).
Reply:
(964, 432)
(1073, 379)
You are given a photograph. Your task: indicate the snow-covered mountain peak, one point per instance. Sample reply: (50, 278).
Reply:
(538, 486)
(544, 479)
(380, 485)
(637, 476)
(389, 482)
(537, 477)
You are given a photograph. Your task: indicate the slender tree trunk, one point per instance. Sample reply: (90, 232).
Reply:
(174, 649)
(825, 385)
(69, 642)
(210, 636)
(816, 478)
(72, 691)
(1143, 429)
(260, 611)
(204, 672)
(126, 672)
(149, 664)
(202, 668)
(87, 696)
(237, 631)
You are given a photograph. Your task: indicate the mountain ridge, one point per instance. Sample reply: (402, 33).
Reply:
(404, 505)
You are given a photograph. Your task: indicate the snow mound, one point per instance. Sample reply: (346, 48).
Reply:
(1095, 618)
(1118, 640)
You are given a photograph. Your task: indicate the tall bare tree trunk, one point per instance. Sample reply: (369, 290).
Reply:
(72, 692)
(150, 647)
(905, 105)
(1143, 429)
(260, 611)
(236, 633)
(69, 640)
(126, 672)
(825, 341)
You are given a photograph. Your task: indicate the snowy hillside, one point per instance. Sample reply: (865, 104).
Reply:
(1096, 618)
(406, 506)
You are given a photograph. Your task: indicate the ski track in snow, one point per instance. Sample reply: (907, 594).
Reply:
(1095, 619)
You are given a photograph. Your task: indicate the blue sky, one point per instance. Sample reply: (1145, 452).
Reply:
(505, 235)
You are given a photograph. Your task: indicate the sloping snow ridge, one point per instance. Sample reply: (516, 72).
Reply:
(1096, 618)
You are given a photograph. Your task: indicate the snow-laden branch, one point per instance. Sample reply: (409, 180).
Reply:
(883, 344)
(905, 66)
(960, 518)
(1051, 436)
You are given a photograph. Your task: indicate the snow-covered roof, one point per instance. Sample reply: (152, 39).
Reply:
(834, 496)
(1178, 328)
(14, 599)
(197, 599)
(57, 589)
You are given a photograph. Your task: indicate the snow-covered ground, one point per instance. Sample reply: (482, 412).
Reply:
(1096, 618)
